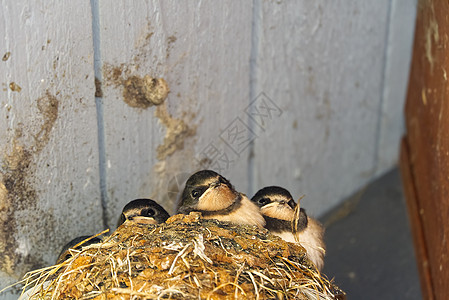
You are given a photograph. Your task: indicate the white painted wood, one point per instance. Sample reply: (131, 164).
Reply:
(49, 186)
(399, 54)
(322, 63)
(202, 50)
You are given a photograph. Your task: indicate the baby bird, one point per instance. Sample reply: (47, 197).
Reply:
(290, 223)
(76, 244)
(144, 211)
(213, 195)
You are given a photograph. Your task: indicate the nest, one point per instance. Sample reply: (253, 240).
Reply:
(185, 258)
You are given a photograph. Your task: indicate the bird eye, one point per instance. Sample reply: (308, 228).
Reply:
(195, 193)
(264, 201)
(150, 213)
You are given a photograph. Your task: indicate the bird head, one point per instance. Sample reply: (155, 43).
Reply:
(207, 190)
(145, 211)
(275, 202)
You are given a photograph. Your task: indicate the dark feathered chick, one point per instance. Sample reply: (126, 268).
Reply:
(77, 244)
(214, 196)
(143, 211)
(290, 222)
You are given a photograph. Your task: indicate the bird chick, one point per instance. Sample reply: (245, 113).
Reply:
(213, 195)
(145, 211)
(291, 223)
(77, 244)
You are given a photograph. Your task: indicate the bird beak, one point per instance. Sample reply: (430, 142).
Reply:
(218, 196)
(185, 210)
(271, 204)
(215, 184)
(142, 220)
(277, 210)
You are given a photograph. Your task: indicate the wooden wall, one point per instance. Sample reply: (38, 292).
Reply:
(307, 95)
(425, 147)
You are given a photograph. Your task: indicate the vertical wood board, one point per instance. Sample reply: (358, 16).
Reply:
(427, 141)
(416, 224)
(49, 191)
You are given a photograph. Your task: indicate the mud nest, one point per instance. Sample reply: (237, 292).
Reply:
(185, 258)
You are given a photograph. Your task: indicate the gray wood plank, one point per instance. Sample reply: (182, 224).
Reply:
(398, 58)
(49, 182)
(322, 64)
(202, 51)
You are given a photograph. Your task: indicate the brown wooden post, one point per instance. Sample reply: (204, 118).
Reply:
(425, 148)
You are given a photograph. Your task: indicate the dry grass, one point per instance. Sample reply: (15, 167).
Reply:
(184, 258)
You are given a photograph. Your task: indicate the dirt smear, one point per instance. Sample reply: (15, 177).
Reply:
(98, 89)
(139, 92)
(145, 92)
(177, 132)
(6, 56)
(15, 87)
(18, 191)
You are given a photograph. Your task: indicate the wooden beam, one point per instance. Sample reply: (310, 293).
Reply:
(425, 151)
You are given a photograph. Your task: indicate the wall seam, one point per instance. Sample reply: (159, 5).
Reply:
(99, 108)
(386, 61)
(256, 28)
